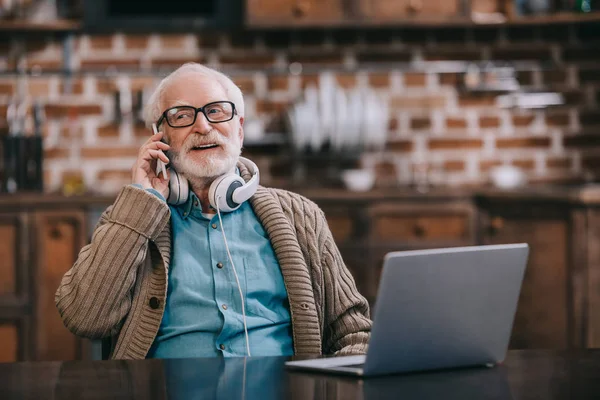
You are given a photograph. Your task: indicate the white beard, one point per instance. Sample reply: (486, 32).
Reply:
(211, 166)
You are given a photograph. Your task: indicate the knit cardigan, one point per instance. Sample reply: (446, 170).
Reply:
(118, 285)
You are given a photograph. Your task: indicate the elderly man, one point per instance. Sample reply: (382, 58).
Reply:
(210, 274)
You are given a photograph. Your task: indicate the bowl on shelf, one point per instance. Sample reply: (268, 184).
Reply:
(358, 180)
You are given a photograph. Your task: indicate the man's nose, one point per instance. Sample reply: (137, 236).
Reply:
(202, 125)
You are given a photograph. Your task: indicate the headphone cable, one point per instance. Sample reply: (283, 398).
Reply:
(236, 279)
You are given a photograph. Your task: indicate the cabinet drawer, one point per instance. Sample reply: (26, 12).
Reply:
(418, 223)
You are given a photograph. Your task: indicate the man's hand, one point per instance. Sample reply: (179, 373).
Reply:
(144, 169)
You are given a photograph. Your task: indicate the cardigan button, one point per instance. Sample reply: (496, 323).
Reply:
(154, 303)
(304, 306)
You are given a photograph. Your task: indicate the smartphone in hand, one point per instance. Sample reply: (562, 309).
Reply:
(160, 165)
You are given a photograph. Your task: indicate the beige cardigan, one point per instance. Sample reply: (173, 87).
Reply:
(118, 285)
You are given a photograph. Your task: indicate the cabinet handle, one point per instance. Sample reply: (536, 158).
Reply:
(301, 8)
(55, 232)
(415, 5)
(496, 225)
(419, 230)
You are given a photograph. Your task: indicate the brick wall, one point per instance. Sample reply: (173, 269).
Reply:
(456, 134)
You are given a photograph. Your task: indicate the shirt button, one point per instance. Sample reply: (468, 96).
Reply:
(219, 265)
(184, 213)
(196, 203)
(214, 226)
(224, 306)
(222, 346)
(154, 303)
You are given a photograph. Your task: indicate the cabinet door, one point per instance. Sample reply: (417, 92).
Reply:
(59, 236)
(15, 299)
(541, 318)
(293, 12)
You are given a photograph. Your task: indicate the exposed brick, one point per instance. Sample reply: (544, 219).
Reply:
(75, 86)
(489, 122)
(110, 130)
(56, 153)
(245, 83)
(486, 165)
(98, 152)
(415, 79)
(7, 88)
(450, 78)
(141, 82)
(379, 79)
(45, 65)
(525, 77)
(105, 86)
(278, 83)
(63, 110)
(418, 123)
(376, 56)
(385, 171)
(591, 162)
(393, 124)
(254, 60)
(453, 144)
(533, 52)
(574, 97)
(209, 40)
(524, 164)
(532, 142)
(582, 140)
(113, 174)
(589, 117)
(555, 76)
(456, 123)
(140, 130)
(101, 42)
(521, 120)
(454, 165)
(581, 53)
(347, 81)
(424, 101)
(108, 63)
(38, 87)
(557, 119)
(323, 57)
(175, 62)
(267, 106)
(558, 163)
(172, 41)
(454, 54)
(136, 42)
(400, 146)
(476, 100)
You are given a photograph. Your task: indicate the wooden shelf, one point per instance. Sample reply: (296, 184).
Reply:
(40, 27)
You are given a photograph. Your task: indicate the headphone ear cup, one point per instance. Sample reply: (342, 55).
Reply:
(220, 194)
(179, 188)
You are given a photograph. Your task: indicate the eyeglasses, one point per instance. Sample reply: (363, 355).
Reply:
(183, 116)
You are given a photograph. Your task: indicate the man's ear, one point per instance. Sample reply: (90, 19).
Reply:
(241, 131)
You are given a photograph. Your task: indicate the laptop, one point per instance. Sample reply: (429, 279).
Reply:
(438, 309)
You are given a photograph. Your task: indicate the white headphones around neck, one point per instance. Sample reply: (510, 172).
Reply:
(226, 193)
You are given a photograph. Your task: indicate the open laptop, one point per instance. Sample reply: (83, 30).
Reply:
(438, 309)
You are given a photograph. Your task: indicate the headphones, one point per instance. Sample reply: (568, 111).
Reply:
(226, 193)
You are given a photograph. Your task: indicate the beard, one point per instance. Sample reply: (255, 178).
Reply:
(211, 165)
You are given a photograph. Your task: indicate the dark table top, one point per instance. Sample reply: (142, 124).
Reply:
(523, 375)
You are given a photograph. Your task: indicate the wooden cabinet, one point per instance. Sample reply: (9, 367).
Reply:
(542, 314)
(39, 242)
(285, 13)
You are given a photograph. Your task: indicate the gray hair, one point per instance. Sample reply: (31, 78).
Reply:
(152, 111)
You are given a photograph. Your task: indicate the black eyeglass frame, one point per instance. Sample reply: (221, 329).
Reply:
(163, 116)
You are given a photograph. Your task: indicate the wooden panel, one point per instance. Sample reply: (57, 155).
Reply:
(340, 226)
(447, 227)
(13, 266)
(592, 282)
(295, 12)
(541, 319)
(60, 236)
(9, 338)
(386, 10)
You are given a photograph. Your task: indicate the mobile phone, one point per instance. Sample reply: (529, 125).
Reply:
(160, 165)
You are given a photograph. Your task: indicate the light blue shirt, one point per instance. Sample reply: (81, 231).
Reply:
(203, 310)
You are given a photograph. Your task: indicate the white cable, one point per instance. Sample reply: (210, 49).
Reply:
(236, 279)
